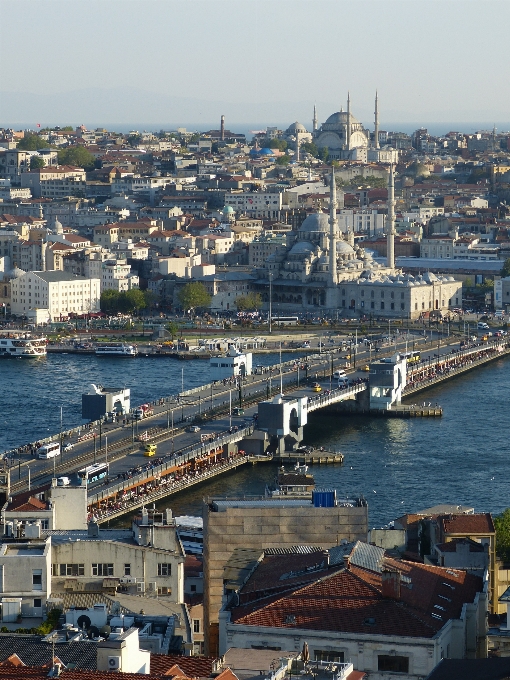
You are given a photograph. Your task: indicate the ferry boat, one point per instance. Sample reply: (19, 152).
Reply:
(116, 349)
(296, 484)
(21, 344)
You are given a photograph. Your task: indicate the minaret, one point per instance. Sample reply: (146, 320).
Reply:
(297, 148)
(315, 122)
(332, 229)
(348, 135)
(390, 222)
(376, 123)
(222, 129)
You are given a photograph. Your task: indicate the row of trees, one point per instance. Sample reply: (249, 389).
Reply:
(194, 296)
(127, 302)
(71, 155)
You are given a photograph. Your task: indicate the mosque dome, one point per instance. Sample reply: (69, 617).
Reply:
(315, 222)
(295, 127)
(266, 152)
(340, 118)
(302, 248)
(343, 248)
(228, 210)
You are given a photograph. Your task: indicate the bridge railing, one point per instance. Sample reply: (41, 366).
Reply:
(335, 395)
(181, 457)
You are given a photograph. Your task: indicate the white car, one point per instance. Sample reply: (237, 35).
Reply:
(68, 447)
(193, 428)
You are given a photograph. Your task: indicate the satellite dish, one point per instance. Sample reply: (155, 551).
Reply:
(83, 622)
(105, 631)
(93, 632)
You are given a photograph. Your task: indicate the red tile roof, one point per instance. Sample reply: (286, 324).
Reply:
(351, 601)
(480, 523)
(192, 666)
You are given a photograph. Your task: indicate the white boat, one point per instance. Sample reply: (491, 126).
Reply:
(21, 344)
(116, 349)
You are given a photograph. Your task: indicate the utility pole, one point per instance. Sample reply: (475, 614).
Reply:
(270, 300)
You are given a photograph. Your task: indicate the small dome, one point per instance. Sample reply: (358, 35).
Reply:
(344, 248)
(228, 209)
(302, 248)
(295, 127)
(315, 222)
(266, 152)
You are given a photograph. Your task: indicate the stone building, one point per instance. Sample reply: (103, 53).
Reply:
(245, 524)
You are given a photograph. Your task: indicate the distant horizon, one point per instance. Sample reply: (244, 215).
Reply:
(435, 128)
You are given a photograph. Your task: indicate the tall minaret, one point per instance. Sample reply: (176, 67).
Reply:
(332, 229)
(390, 221)
(376, 124)
(315, 122)
(222, 129)
(348, 121)
(297, 148)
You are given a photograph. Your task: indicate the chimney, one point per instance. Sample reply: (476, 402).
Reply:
(391, 584)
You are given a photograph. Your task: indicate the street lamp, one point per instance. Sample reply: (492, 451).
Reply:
(270, 300)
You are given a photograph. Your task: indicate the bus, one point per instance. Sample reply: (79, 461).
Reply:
(50, 450)
(94, 472)
(284, 320)
(412, 357)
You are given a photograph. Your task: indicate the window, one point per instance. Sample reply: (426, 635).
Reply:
(193, 589)
(102, 570)
(37, 579)
(164, 569)
(402, 305)
(323, 655)
(397, 664)
(392, 305)
(37, 602)
(372, 305)
(382, 305)
(127, 570)
(196, 625)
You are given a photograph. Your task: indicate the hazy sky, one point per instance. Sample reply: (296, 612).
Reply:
(265, 61)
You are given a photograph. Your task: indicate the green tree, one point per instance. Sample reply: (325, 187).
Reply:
(311, 148)
(134, 139)
(249, 303)
(194, 295)
(78, 156)
(502, 524)
(31, 142)
(283, 160)
(67, 128)
(37, 162)
(132, 300)
(173, 329)
(324, 154)
(109, 301)
(505, 271)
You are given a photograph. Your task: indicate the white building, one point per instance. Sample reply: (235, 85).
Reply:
(232, 364)
(256, 203)
(58, 292)
(116, 275)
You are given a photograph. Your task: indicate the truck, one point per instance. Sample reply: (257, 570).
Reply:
(143, 411)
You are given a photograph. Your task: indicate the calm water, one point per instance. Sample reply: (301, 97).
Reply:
(398, 465)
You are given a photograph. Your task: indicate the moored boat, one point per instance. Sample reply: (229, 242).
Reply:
(21, 344)
(116, 349)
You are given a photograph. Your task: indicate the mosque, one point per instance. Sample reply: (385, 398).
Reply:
(344, 137)
(323, 272)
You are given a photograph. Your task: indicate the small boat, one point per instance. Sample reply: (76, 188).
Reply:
(21, 345)
(116, 349)
(296, 484)
(301, 468)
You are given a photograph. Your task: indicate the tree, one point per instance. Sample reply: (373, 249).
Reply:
(78, 156)
(249, 303)
(502, 524)
(133, 300)
(193, 295)
(173, 329)
(31, 142)
(109, 301)
(283, 160)
(311, 148)
(505, 271)
(134, 139)
(37, 162)
(324, 153)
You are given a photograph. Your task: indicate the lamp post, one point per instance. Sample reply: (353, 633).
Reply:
(60, 435)
(230, 408)
(95, 447)
(106, 449)
(270, 300)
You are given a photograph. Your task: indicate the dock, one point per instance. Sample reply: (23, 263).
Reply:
(315, 457)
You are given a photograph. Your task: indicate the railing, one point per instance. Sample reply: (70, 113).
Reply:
(338, 394)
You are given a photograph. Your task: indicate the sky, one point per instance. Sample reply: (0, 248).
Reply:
(260, 62)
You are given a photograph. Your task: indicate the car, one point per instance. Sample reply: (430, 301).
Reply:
(238, 411)
(193, 428)
(63, 481)
(316, 387)
(68, 447)
(366, 368)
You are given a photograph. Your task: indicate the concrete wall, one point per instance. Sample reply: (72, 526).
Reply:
(268, 527)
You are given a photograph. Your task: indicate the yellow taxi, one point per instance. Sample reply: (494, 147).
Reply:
(316, 387)
(366, 368)
(149, 450)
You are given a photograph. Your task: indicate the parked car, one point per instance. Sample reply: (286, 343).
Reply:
(193, 428)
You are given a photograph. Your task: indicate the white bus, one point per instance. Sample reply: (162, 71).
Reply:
(94, 472)
(48, 450)
(284, 320)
